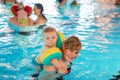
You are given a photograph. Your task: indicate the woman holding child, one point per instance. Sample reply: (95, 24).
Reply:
(70, 49)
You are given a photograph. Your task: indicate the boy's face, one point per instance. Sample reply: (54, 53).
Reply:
(50, 39)
(69, 55)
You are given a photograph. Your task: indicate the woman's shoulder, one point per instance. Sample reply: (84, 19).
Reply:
(40, 21)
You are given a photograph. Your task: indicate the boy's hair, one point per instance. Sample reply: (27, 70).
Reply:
(48, 29)
(72, 43)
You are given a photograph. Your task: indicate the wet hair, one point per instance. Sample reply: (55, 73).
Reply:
(72, 43)
(48, 29)
(40, 6)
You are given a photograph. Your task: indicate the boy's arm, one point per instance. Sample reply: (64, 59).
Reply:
(38, 56)
(55, 63)
(62, 68)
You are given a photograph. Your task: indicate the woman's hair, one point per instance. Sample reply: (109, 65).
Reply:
(72, 43)
(40, 6)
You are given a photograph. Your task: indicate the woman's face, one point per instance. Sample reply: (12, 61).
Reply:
(69, 55)
(36, 10)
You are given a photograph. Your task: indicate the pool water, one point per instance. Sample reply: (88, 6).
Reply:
(96, 23)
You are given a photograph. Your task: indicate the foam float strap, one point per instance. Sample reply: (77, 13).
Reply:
(60, 40)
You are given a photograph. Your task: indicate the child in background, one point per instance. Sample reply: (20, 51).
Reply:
(38, 10)
(22, 15)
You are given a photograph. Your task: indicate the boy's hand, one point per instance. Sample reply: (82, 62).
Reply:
(62, 69)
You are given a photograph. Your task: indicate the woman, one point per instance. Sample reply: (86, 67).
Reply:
(22, 15)
(41, 19)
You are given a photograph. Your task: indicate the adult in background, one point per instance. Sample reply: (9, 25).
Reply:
(41, 19)
(9, 1)
(38, 10)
